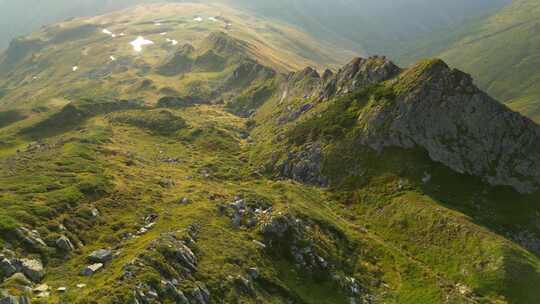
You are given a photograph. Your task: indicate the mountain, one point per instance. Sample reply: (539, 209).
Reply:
(43, 63)
(367, 26)
(372, 26)
(17, 19)
(501, 52)
(187, 153)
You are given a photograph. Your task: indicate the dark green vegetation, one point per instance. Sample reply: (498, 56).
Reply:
(178, 158)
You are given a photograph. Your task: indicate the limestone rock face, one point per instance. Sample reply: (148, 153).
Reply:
(305, 166)
(357, 74)
(433, 107)
(439, 109)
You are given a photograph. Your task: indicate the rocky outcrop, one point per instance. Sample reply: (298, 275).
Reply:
(172, 256)
(246, 212)
(358, 74)
(246, 73)
(30, 238)
(6, 298)
(179, 62)
(33, 269)
(428, 106)
(224, 45)
(305, 166)
(440, 110)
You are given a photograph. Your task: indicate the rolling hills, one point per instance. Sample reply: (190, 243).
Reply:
(187, 153)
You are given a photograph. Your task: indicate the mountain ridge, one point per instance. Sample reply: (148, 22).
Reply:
(206, 171)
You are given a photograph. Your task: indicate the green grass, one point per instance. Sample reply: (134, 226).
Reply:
(500, 52)
(403, 241)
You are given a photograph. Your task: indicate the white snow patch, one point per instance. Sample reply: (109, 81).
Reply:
(107, 32)
(74, 68)
(139, 43)
(172, 41)
(163, 34)
(112, 58)
(213, 19)
(122, 34)
(198, 19)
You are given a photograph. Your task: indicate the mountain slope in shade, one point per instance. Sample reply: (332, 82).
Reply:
(502, 53)
(372, 27)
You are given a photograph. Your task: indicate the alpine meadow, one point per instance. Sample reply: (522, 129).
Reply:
(280, 152)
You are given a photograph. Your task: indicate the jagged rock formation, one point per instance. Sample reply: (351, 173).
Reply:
(440, 110)
(429, 106)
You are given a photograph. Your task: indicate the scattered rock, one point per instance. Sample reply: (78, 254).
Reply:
(253, 273)
(426, 178)
(41, 288)
(243, 285)
(91, 269)
(33, 269)
(64, 244)
(7, 268)
(101, 256)
(61, 289)
(200, 294)
(21, 279)
(166, 183)
(6, 298)
(246, 213)
(260, 244)
(30, 238)
(95, 212)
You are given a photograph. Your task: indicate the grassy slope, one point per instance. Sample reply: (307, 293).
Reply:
(455, 225)
(501, 52)
(129, 195)
(448, 241)
(48, 71)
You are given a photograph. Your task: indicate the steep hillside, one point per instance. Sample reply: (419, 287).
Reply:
(502, 52)
(177, 154)
(372, 26)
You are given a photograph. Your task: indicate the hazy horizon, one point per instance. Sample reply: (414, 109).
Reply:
(360, 24)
